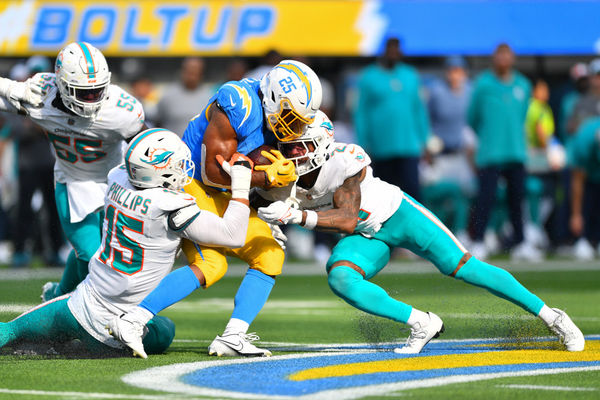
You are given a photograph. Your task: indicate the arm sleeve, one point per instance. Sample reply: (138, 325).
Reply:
(211, 230)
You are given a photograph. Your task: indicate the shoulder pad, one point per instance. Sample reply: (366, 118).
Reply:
(236, 101)
(351, 156)
(129, 109)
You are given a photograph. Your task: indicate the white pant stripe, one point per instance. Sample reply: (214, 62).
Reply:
(436, 221)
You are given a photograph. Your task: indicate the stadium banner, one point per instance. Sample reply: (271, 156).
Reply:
(298, 27)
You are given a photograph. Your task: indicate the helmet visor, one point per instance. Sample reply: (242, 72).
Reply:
(93, 95)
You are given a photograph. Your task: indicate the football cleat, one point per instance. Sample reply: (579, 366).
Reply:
(421, 334)
(235, 345)
(49, 291)
(568, 333)
(128, 332)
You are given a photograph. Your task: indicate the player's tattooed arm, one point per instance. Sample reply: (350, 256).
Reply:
(220, 138)
(343, 216)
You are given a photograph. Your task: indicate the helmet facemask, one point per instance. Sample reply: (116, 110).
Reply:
(287, 124)
(310, 151)
(84, 101)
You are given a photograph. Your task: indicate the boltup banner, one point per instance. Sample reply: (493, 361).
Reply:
(299, 27)
(159, 28)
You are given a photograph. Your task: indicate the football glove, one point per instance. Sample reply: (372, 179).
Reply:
(27, 92)
(280, 213)
(240, 170)
(281, 172)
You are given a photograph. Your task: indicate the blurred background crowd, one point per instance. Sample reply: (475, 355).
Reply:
(506, 151)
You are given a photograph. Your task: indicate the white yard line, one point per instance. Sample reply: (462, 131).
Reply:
(297, 268)
(551, 388)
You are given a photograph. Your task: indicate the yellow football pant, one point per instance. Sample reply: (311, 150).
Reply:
(260, 252)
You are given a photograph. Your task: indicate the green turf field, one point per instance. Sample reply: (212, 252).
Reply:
(303, 316)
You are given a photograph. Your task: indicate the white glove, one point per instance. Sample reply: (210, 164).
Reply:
(278, 235)
(280, 213)
(240, 170)
(16, 92)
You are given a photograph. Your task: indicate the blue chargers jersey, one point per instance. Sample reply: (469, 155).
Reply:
(241, 102)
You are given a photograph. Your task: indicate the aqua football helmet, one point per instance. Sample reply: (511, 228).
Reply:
(159, 158)
(82, 77)
(291, 98)
(313, 148)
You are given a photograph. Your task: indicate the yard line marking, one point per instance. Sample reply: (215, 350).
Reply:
(16, 308)
(91, 395)
(311, 268)
(554, 388)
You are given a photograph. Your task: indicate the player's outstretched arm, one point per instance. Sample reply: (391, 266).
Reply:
(220, 139)
(342, 218)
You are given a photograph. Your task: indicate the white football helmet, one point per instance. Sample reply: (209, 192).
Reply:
(159, 158)
(313, 148)
(291, 97)
(82, 77)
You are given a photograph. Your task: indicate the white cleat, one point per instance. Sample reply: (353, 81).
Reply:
(568, 333)
(235, 345)
(128, 332)
(420, 335)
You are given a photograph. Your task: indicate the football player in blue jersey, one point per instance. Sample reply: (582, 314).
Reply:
(240, 117)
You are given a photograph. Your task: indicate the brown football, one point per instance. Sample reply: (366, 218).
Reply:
(259, 159)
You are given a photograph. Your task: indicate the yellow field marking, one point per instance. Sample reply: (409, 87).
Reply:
(591, 353)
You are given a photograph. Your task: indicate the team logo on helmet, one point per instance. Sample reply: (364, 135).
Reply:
(158, 158)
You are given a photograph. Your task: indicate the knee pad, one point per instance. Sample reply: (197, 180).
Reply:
(341, 279)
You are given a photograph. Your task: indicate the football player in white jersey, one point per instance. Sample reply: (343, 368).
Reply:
(146, 215)
(86, 119)
(337, 192)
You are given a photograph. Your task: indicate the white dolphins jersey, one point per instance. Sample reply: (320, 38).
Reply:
(379, 199)
(86, 149)
(138, 250)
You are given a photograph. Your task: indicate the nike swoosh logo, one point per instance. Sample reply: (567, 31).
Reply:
(232, 102)
(236, 346)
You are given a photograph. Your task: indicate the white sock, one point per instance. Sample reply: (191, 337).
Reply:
(236, 326)
(140, 315)
(547, 315)
(417, 316)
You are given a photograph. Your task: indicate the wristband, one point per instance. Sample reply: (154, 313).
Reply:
(311, 219)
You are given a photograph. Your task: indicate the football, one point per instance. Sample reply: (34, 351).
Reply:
(256, 156)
